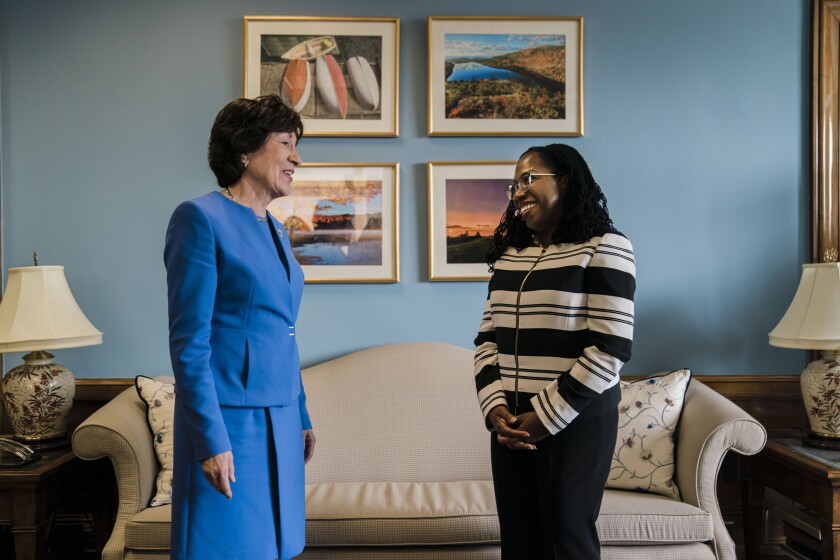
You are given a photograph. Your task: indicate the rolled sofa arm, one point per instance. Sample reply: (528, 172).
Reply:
(710, 426)
(120, 432)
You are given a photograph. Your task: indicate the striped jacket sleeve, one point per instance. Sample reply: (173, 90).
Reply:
(488, 381)
(610, 281)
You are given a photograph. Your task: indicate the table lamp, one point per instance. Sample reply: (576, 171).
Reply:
(812, 322)
(38, 313)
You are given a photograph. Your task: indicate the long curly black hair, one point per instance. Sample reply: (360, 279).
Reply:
(585, 213)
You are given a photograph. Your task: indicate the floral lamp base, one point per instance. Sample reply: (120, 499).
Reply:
(38, 397)
(820, 384)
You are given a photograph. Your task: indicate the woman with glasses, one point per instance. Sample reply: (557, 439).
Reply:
(557, 327)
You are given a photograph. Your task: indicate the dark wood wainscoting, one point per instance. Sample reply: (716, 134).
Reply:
(91, 394)
(775, 401)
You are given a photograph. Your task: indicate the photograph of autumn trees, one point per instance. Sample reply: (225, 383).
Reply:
(493, 76)
(474, 208)
(333, 222)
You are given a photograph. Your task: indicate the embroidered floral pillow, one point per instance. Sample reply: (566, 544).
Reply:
(160, 403)
(647, 420)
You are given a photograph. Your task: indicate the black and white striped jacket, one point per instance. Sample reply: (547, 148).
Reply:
(557, 327)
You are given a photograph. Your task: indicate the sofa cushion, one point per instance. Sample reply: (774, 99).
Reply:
(636, 518)
(159, 397)
(400, 513)
(149, 529)
(444, 513)
(647, 426)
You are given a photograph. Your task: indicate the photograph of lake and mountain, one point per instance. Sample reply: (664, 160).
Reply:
(502, 76)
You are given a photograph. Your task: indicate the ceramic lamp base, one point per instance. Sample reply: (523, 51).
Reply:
(820, 384)
(38, 397)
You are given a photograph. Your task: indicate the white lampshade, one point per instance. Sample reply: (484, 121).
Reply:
(38, 312)
(812, 321)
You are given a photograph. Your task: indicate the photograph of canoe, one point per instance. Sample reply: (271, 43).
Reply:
(333, 222)
(324, 77)
(492, 76)
(474, 208)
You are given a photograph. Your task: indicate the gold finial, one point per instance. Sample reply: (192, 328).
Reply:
(830, 255)
(35, 257)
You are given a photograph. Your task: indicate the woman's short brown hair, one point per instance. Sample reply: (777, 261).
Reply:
(242, 127)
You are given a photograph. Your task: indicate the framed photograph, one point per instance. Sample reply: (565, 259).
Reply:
(466, 202)
(505, 76)
(340, 73)
(342, 220)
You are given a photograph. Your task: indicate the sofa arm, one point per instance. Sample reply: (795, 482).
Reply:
(710, 426)
(119, 431)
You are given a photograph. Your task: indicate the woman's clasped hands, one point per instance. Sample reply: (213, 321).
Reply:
(517, 432)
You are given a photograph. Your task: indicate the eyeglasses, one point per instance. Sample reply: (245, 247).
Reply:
(524, 183)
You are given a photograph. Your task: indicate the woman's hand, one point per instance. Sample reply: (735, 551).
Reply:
(505, 425)
(218, 470)
(528, 422)
(308, 445)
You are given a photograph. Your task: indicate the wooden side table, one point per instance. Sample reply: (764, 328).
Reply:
(30, 494)
(806, 475)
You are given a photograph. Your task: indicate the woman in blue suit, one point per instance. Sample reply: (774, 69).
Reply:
(242, 432)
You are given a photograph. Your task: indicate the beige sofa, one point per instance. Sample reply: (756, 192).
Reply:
(402, 469)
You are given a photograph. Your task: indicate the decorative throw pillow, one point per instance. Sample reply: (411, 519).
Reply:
(160, 404)
(647, 420)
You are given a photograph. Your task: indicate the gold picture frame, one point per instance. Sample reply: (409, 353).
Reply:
(825, 131)
(466, 203)
(343, 221)
(340, 73)
(505, 76)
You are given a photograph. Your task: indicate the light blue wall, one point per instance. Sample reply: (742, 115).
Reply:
(696, 119)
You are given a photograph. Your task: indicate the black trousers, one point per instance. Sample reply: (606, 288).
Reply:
(548, 499)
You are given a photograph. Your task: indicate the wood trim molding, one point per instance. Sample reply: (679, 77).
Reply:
(773, 400)
(753, 386)
(825, 130)
(112, 386)
(731, 386)
(91, 394)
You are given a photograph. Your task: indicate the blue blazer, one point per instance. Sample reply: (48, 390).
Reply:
(232, 313)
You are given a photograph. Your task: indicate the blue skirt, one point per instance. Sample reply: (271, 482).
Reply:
(265, 519)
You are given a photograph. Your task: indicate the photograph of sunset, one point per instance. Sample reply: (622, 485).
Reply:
(473, 210)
